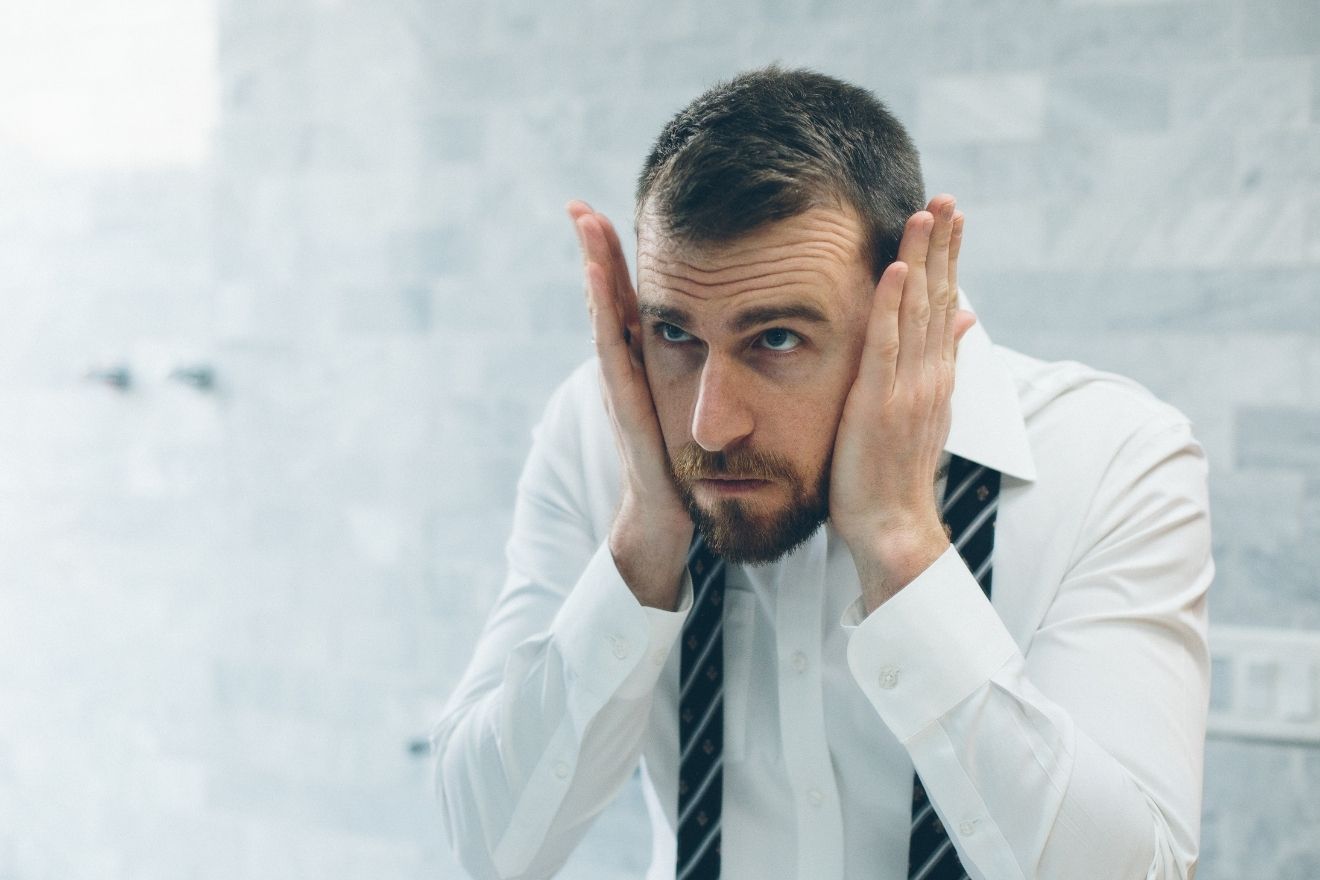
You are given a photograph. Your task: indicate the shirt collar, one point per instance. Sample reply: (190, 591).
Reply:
(987, 425)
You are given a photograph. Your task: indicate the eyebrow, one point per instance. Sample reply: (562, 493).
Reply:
(745, 320)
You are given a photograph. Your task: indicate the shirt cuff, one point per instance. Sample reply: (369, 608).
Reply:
(927, 648)
(613, 646)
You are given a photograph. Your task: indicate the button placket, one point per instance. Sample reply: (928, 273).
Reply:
(801, 712)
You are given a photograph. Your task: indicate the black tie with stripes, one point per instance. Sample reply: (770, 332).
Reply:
(971, 497)
(701, 719)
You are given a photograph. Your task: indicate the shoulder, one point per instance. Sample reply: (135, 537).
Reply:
(1067, 402)
(1116, 467)
(574, 408)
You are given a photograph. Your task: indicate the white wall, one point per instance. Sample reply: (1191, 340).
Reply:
(225, 614)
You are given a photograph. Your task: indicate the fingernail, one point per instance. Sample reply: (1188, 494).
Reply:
(947, 213)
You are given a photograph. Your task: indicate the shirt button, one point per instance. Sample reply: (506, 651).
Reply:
(799, 661)
(889, 677)
(966, 828)
(561, 770)
(620, 647)
(815, 797)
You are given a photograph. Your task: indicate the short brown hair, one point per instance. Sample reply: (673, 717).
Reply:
(772, 143)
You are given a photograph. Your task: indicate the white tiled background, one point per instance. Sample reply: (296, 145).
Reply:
(225, 614)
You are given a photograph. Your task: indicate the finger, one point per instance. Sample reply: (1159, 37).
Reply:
(620, 264)
(960, 322)
(592, 238)
(591, 243)
(600, 243)
(595, 252)
(937, 277)
(577, 208)
(955, 246)
(607, 331)
(914, 311)
(879, 361)
(963, 321)
(624, 292)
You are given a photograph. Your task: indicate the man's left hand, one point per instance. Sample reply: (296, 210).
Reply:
(896, 418)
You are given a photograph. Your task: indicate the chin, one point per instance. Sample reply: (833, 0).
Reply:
(743, 536)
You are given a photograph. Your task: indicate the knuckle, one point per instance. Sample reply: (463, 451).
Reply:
(939, 295)
(945, 378)
(906, 397)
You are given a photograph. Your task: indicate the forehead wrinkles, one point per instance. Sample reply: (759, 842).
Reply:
(781, 267)
(809, 249)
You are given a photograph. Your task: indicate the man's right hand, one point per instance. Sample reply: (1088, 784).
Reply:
(652, 530)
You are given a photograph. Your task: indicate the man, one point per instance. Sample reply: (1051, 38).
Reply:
(787, 361)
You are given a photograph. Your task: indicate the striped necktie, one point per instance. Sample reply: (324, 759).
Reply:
(701, 719)
(971, 497)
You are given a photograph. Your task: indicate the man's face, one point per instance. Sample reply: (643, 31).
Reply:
(750, 350)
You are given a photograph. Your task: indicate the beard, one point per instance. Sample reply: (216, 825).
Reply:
(755, 531)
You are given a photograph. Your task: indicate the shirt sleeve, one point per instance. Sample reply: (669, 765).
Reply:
(1083, 757)
(565, 667)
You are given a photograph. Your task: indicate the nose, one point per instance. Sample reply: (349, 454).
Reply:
(721, 417)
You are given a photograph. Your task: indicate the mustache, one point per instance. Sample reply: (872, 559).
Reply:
(691, 463)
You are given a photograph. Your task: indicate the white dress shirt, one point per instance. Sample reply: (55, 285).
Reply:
(1059, 730)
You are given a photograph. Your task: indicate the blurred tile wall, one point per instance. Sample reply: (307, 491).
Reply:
(226, 614)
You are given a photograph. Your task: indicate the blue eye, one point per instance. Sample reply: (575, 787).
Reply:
(670, 333)
(780, 339)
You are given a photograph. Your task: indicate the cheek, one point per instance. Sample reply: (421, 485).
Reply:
(810, 419)
(811, 429)
(673, 392)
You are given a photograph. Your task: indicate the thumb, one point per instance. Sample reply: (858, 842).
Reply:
(962, 322)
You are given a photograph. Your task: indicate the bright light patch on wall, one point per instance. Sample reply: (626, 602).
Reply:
(87, 84)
